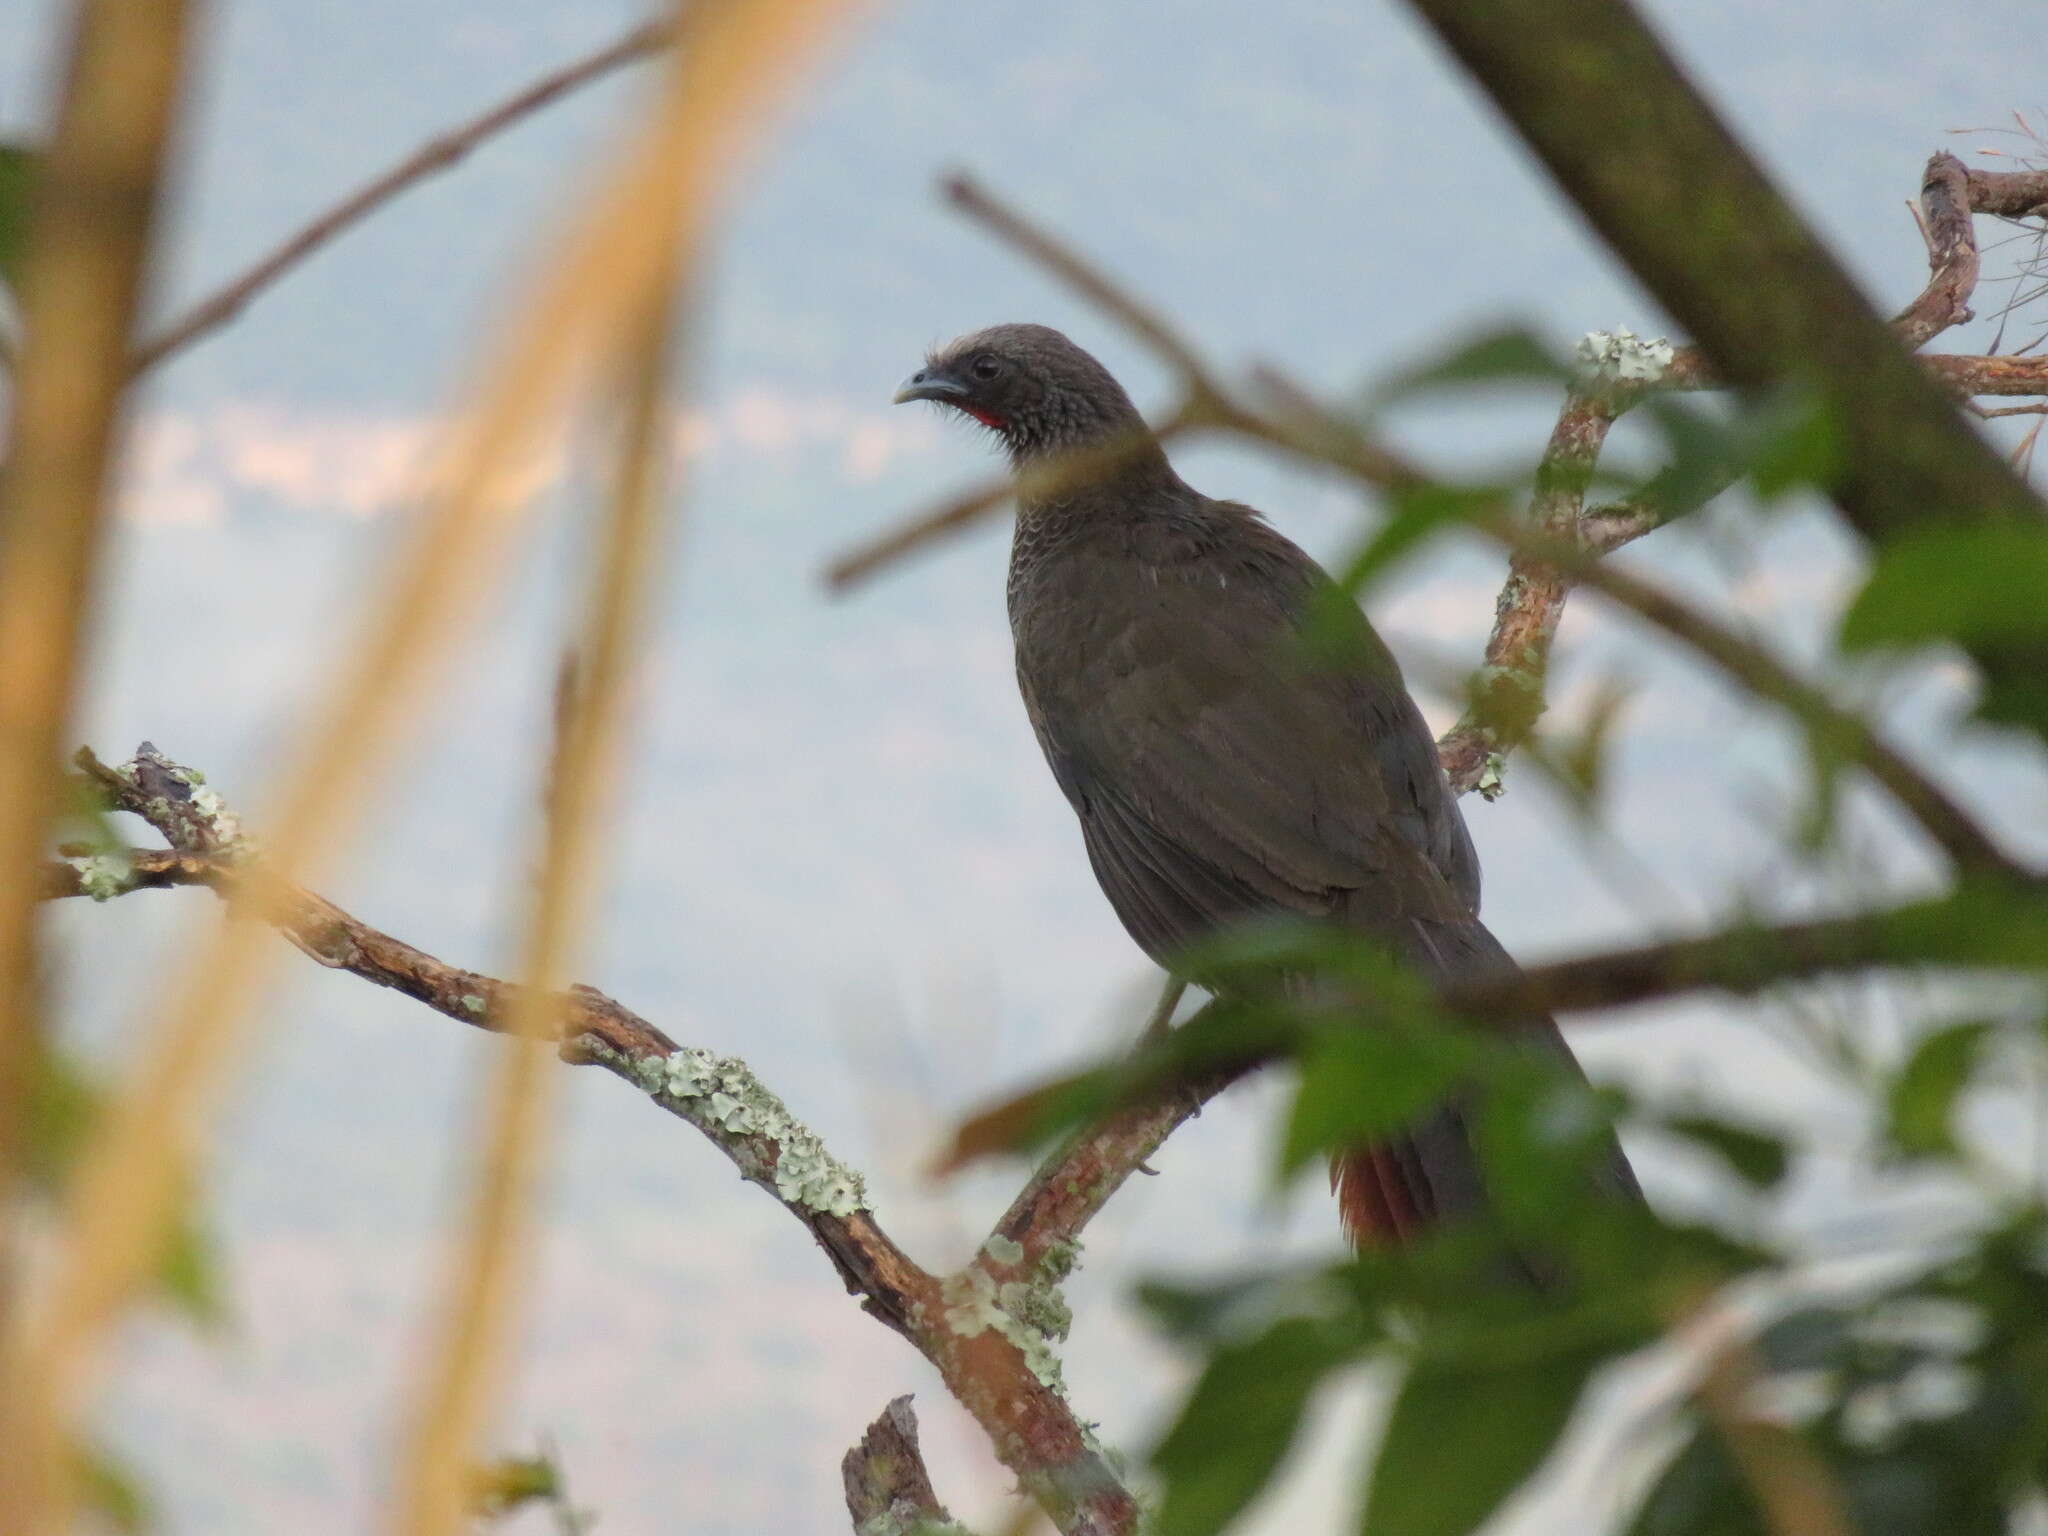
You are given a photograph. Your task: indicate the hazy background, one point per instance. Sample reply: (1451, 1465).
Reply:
(842, 857)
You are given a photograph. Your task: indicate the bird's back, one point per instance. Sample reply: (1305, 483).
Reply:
(1218, 765)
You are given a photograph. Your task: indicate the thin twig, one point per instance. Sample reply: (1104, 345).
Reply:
(1141, 320)
(1951, 254)
(960, 512)
(1953, 829)
(888, 1490)
(437, 154)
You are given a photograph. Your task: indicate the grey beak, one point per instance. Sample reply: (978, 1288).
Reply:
(929, 384)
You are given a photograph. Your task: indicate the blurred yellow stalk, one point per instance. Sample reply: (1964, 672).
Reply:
(93, 210)
(591, 302)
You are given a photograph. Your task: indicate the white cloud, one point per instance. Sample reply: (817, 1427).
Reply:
(186, 466)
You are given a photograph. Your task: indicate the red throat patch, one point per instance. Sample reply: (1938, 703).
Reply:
(986, 418)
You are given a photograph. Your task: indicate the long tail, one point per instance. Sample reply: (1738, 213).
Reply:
(1392, 1191)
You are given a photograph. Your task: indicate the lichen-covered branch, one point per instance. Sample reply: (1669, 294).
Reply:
(992, 1340)
(105, 875)
(1507, 692)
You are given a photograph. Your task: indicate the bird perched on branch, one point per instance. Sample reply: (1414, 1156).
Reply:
(1217, 777)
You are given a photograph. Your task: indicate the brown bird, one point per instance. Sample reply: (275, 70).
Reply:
(1215, 775)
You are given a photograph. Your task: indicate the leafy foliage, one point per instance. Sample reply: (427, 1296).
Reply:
(1918, 1399)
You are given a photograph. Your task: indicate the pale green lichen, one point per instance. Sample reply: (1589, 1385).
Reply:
(723, 1091)
(1622, 357)
(103, 876)
(472, 1003)
(1491, 785)
(1038, 1306)
(894, 1522)
(1060, 1259)
(222, 825)
(976, 1305)
(1003, 1250)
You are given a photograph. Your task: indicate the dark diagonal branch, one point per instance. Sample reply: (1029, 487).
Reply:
(988, 1338)
(1670, 190)
(1749, 957)
(438, 154)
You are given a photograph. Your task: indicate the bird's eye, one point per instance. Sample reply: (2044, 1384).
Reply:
(985, 368)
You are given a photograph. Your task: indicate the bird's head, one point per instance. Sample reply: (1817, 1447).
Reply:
(1029, 385)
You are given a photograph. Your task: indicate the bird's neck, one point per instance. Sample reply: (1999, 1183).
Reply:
(1117, 465)
(1071, 500)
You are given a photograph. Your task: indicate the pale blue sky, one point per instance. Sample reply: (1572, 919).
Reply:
(842, 857)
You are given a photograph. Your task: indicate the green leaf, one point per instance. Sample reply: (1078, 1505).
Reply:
(1542, 1132)
(1239, 1421)
(1922, 1097)
(1699, 1493)
(1578, 760)
(1784, 443)
(1463, 1437)
(17, 182)
(1795, 444)
(1358, 1085)
(501, 1486)
(64, 1103)
(111, 1492)
(1510, 355)
(1415, 515)
(189, 1275)
(1757, 1157)
(1984, 582)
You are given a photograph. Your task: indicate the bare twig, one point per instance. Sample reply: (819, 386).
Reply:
(972, 506)
(437, 154)
(2009, 194)
(1141, 320)
(1953, 829)
(888, 1490)
(1741, 959)
(1951, 254)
